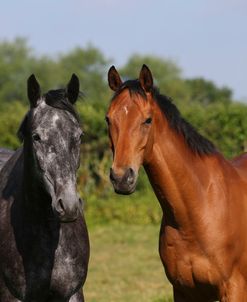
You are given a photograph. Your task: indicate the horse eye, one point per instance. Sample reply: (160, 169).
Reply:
(148, 120)
(36, 137)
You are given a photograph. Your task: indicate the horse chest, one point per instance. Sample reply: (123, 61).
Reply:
(186, 264)
(69, 271)
(39, 268)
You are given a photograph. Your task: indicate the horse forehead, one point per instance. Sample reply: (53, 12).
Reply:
(48, 117)
(127, 104)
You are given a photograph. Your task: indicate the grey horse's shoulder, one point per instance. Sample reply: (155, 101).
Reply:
(5, 154)
(12, 159)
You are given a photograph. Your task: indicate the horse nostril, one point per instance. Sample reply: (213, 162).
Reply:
(81, 203)
(130, 176)
(61, 209)
(131, 172)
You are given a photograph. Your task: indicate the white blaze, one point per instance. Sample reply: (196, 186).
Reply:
(126, 110)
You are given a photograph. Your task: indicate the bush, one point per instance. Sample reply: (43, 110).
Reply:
(210, 109)
(11, 117)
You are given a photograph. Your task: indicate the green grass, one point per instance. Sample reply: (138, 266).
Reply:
(141, 208)
(125, 265)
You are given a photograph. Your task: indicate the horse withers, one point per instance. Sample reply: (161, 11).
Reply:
(44, 245)
(203, 234)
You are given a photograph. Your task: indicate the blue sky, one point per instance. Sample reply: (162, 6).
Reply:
(204, 37)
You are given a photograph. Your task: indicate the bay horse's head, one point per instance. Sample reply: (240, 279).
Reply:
(129, 119)
(52, 138)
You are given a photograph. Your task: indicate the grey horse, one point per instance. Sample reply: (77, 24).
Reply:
(44, 245)
(5, 154)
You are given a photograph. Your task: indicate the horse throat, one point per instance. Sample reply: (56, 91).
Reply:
(178, 176)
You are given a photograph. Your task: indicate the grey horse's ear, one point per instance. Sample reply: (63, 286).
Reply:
(146, 78)
(114, 79)
(73, 89)
(33, 91)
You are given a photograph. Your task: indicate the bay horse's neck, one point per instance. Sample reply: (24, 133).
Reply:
(177, 174)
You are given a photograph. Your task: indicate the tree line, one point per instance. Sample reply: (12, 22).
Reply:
(209, 108)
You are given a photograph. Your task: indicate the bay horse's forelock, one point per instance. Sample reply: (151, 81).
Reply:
(203, 235)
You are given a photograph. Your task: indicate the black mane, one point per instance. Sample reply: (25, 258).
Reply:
(196, 142)
(59, 99)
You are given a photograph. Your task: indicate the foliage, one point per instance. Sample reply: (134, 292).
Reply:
(209, 108)
(90, 66)
(15, 65)
(224, 123)
(167, 74)
(10, 119)
(206, 92)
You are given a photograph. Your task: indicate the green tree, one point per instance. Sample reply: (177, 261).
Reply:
(224, 124)
(15, 66)
(11, 118)
(206, 92)
(166, 73)
(209, 108)
(90, 65)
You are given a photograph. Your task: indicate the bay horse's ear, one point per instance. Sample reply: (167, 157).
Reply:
(33, 91)
(114, 79)
(73, 89)
(146, 78)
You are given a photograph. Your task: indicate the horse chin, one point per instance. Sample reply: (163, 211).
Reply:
(67, 219)
(125, 191)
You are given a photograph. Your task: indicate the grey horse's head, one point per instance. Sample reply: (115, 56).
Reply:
(52, 137)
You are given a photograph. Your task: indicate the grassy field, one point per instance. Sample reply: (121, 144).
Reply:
(125, 265)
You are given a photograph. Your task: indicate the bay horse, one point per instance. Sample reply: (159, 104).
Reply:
(44, 245)
(203, 196)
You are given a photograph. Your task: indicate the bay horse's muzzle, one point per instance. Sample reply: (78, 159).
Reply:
(124, 184)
